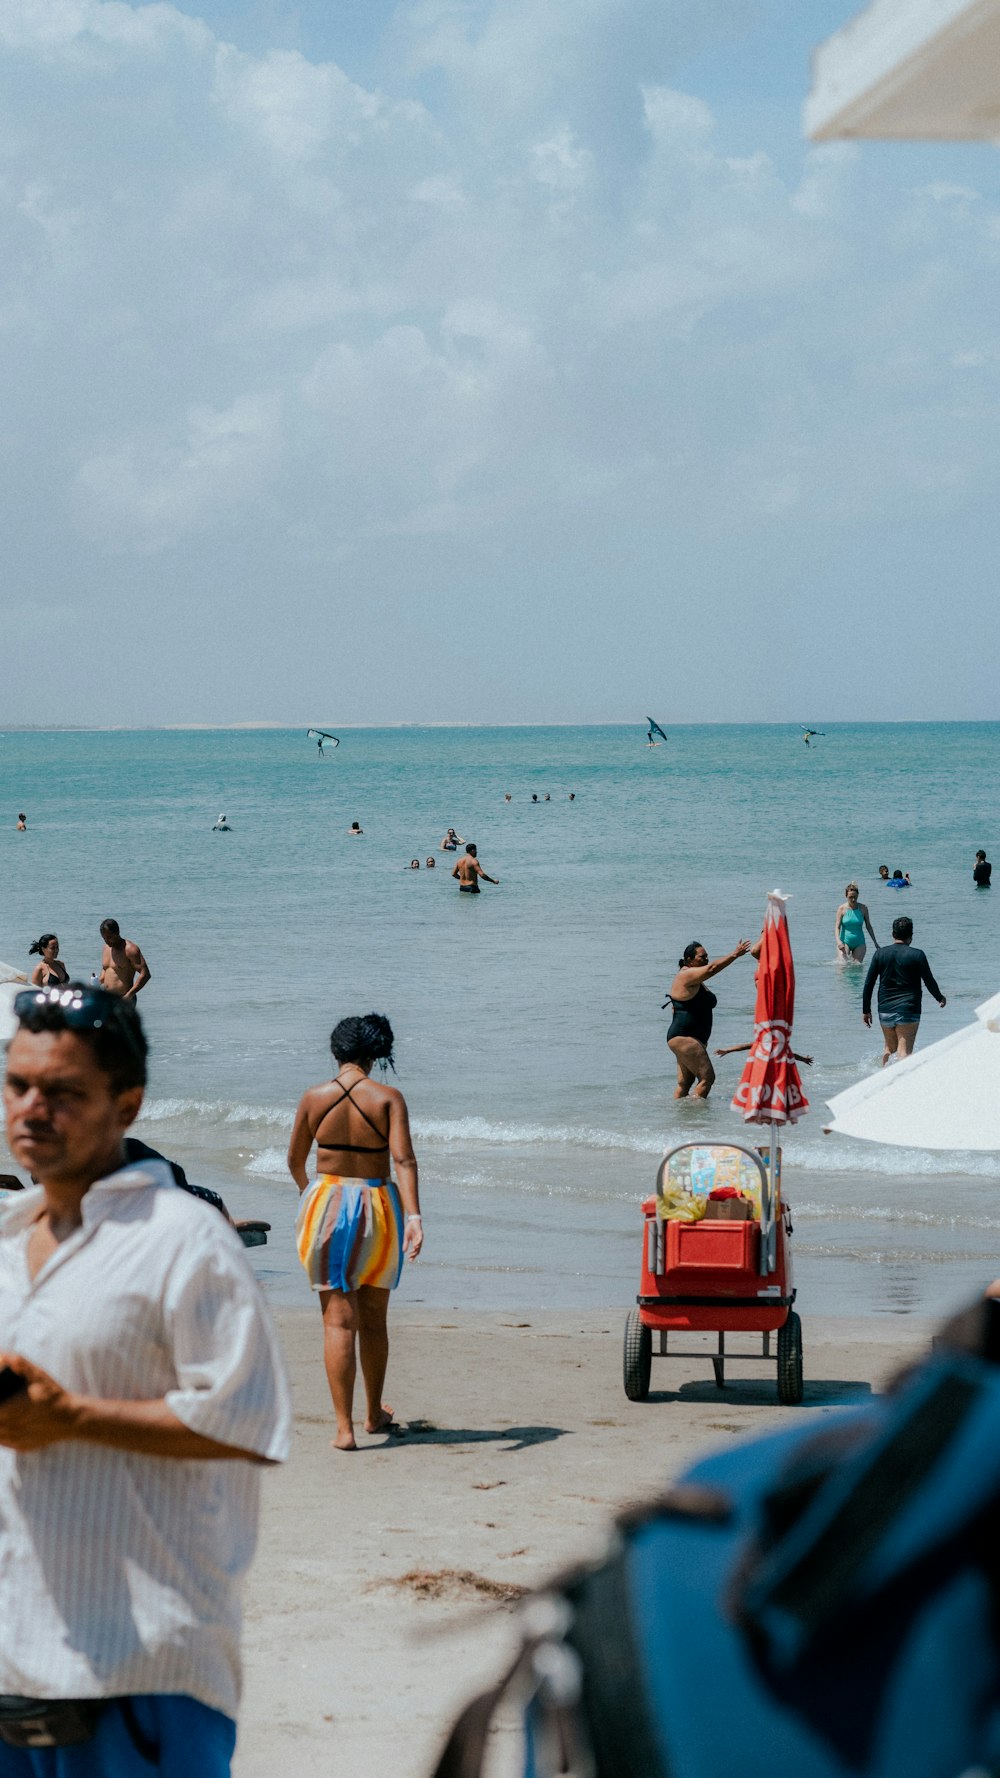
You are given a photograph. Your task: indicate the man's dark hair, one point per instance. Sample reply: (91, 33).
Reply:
(981, 855)
(110, 928)
(902, 927)
(119, 1043)
(366, 1040)
(471, 849)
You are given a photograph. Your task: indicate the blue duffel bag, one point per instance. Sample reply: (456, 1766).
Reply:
(821, 1603)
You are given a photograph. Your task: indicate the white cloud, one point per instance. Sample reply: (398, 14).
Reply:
(149, 493)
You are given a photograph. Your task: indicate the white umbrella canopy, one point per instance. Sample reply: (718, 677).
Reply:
(945, 1096)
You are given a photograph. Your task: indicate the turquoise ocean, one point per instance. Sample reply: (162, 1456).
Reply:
(530, 1040)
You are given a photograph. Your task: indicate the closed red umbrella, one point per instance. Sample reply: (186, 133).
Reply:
(770, 1091)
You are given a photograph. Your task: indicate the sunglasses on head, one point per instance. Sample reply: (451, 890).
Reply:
(79, 1009)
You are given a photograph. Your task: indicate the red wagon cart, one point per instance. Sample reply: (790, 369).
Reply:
(715, 1264)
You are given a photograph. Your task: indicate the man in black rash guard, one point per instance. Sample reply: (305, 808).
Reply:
(899, 969)
(982, 871)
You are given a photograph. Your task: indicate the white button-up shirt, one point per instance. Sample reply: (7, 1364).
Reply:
(119, 1573)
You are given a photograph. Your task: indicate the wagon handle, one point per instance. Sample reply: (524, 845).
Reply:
(766, 1205)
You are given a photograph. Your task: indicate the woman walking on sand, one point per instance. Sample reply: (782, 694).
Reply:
(691, 1025)
(355, 1226)
(849, 926)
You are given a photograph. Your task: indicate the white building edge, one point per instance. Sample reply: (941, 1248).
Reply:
(910, 69)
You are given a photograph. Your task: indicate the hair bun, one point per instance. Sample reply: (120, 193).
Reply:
(366, 1039)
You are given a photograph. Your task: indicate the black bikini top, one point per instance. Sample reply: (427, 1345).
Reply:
(353, 1147)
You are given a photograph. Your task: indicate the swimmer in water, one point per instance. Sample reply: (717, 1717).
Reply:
(468, 870)
(691, 1025)
(534, 796)
(572, 796)
(429, 863)
(22, 823)
(899, 880)
(451, 841)
(883, 871)
(506, 796)
(355, 831)
(982, 871)
(414, 864)
(222, 825)
(849, 924)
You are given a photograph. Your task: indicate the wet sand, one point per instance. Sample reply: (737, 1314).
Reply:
(372, 1609)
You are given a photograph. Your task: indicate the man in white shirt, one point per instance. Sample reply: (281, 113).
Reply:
(141, 1389)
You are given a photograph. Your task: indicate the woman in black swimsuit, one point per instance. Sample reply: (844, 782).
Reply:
(48, 971)
(691, 1025)
(356, 1224)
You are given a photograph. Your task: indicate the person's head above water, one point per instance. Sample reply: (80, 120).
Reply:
(363, 1040)
(42, 944)
(355, 827)
(110, 931)
(429, 862)
(414, 864)
(694, 956)
(897, 876)
(471, 849)
(902, 928)
(883, 871)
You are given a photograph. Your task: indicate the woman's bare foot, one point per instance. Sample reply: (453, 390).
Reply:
(384, 1421)
(344, 1441)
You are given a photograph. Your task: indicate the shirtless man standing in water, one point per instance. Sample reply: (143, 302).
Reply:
(468, 870)
(124, 970)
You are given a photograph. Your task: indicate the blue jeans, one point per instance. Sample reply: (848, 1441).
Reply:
(182, 1737)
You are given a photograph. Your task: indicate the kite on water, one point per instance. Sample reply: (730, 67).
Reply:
(320, 736)
(654, 729)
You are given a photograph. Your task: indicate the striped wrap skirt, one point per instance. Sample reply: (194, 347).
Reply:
(349, 1233)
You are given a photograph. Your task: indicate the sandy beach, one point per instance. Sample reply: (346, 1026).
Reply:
(372, 1610)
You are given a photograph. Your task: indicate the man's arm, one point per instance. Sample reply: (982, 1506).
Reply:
(46, 1414)
(874, 971)
(135, 956)
(930, 984)
(455, 871)
(481, 873)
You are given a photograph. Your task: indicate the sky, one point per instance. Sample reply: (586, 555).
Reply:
(483, 361)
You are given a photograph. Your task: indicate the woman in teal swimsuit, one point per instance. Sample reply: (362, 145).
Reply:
(849, 927)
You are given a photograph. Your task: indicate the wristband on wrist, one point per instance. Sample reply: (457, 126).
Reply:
(414, 1216)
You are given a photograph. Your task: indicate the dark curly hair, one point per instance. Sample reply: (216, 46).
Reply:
(366, 1040)
(690, 953)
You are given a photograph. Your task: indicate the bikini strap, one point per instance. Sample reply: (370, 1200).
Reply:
(348, 1094)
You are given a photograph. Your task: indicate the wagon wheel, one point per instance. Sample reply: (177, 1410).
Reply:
(790, 1362)
(637, 1357)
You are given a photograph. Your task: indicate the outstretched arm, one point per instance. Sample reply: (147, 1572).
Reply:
(698, 973)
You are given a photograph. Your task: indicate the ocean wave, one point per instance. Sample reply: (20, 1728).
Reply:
(214, 1111)
(270, 1163)
(810, 1155)
(851, 1213)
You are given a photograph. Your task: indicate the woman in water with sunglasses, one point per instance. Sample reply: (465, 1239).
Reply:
(355, 1225)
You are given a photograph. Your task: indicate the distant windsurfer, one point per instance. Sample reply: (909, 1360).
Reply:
(654, 730)
(320, 736)
(807, 733)
(468, 870)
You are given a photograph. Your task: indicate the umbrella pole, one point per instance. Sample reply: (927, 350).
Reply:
(772, 1180)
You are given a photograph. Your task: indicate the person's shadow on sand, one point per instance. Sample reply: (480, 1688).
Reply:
(517, 1438)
